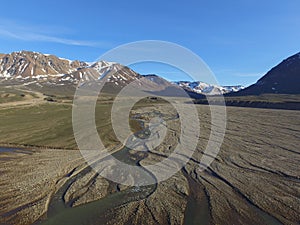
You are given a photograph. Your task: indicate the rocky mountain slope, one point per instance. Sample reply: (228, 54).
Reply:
(40, 69)
(26, 65)
(37, 69)
(282, 79)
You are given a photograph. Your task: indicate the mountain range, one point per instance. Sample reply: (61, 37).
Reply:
(33, 68)
(44, 70)
(207, 89)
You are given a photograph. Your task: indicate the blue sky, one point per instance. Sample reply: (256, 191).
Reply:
(240, 40)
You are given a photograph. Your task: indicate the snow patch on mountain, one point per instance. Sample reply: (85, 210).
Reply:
(207, 89)
(38, 68)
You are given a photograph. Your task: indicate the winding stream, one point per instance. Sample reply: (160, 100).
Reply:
(60, 212)
(197, 211)
(63, 213)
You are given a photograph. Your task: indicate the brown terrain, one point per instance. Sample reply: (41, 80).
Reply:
(254, 179)
(31, 64)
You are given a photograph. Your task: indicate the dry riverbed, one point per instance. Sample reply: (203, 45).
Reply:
(255, 178)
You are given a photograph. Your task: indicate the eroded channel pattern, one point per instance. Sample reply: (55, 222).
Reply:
(254, 180)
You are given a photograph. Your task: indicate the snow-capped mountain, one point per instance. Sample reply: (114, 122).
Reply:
(37, 70)
(34, 65)
(33, 68)
(118, 75)
(207, 89)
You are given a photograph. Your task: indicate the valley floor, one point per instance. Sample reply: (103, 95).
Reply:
(255, 178)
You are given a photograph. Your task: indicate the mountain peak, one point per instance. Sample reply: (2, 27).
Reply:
(29, 67)
(281, 79)
(27, 64)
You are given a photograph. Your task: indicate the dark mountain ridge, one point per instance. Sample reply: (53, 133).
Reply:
(281, 79)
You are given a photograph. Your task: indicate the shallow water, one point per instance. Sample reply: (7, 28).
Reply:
(93, 213)
(197, 211)
(6, 149)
